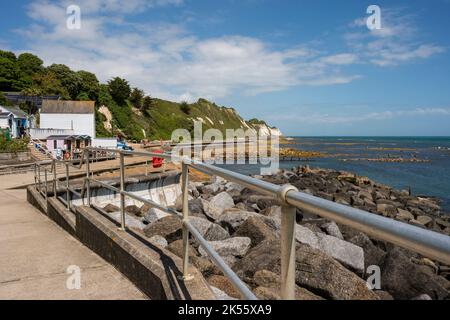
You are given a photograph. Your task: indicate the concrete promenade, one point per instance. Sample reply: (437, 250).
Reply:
(35, 254)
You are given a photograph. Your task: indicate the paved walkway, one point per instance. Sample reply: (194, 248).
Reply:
(35, 254)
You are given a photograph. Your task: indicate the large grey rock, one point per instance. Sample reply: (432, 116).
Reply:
(345, 252)
(154, 215)
(216, 233)
(159, 241)
(406, 280)
(234, 189)
(210, 231)
(257, 230)
(236, 247)
(202, 225)
(320, 274)
(168, 227)
(217, 205)
(233, 219)
(269, 287)
(211, 188)
(315, 271)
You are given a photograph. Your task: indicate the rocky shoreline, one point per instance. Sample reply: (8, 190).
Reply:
(331, 259)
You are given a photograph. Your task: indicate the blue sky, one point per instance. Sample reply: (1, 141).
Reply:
(307, 67)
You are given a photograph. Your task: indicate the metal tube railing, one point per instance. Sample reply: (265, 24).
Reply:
(425, 242)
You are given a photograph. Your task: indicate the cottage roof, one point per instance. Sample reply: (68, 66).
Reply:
(4, 115)
(70, 107)
(17, 112)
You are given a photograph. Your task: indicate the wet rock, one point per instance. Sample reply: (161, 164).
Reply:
(406, 280)
(111, 208)
(154, 215)
(257, 230)
(218, 204)
(162, 242)
(225, 285)
(234, 218)
(321, 274)
(168, 227)
(236, 247)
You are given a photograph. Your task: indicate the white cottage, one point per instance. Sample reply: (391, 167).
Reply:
(68, 119)
(77, 117)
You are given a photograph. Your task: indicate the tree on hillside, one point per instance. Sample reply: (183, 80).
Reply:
(136, 97)
(119, 89)
(147, 103)
(89, 84)
(185, 107)
(69, 79)
(30, 64)
(47, 84)
(104, 97)
(8, 55)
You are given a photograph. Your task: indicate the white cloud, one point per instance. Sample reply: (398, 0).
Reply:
(168, 61)
(396, 43)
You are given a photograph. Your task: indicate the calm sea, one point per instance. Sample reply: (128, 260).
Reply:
(426, 178)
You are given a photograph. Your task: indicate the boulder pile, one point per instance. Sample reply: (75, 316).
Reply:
(332, 261)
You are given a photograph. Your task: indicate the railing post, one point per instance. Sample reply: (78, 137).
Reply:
(185, 190)
(287, 245)
(39, 178)
(35, 176)
(46, 186)
(54, 178)
(122, 189)
(67, 186)
(88, 184)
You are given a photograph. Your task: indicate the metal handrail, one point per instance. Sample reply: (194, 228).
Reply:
(428, 243)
